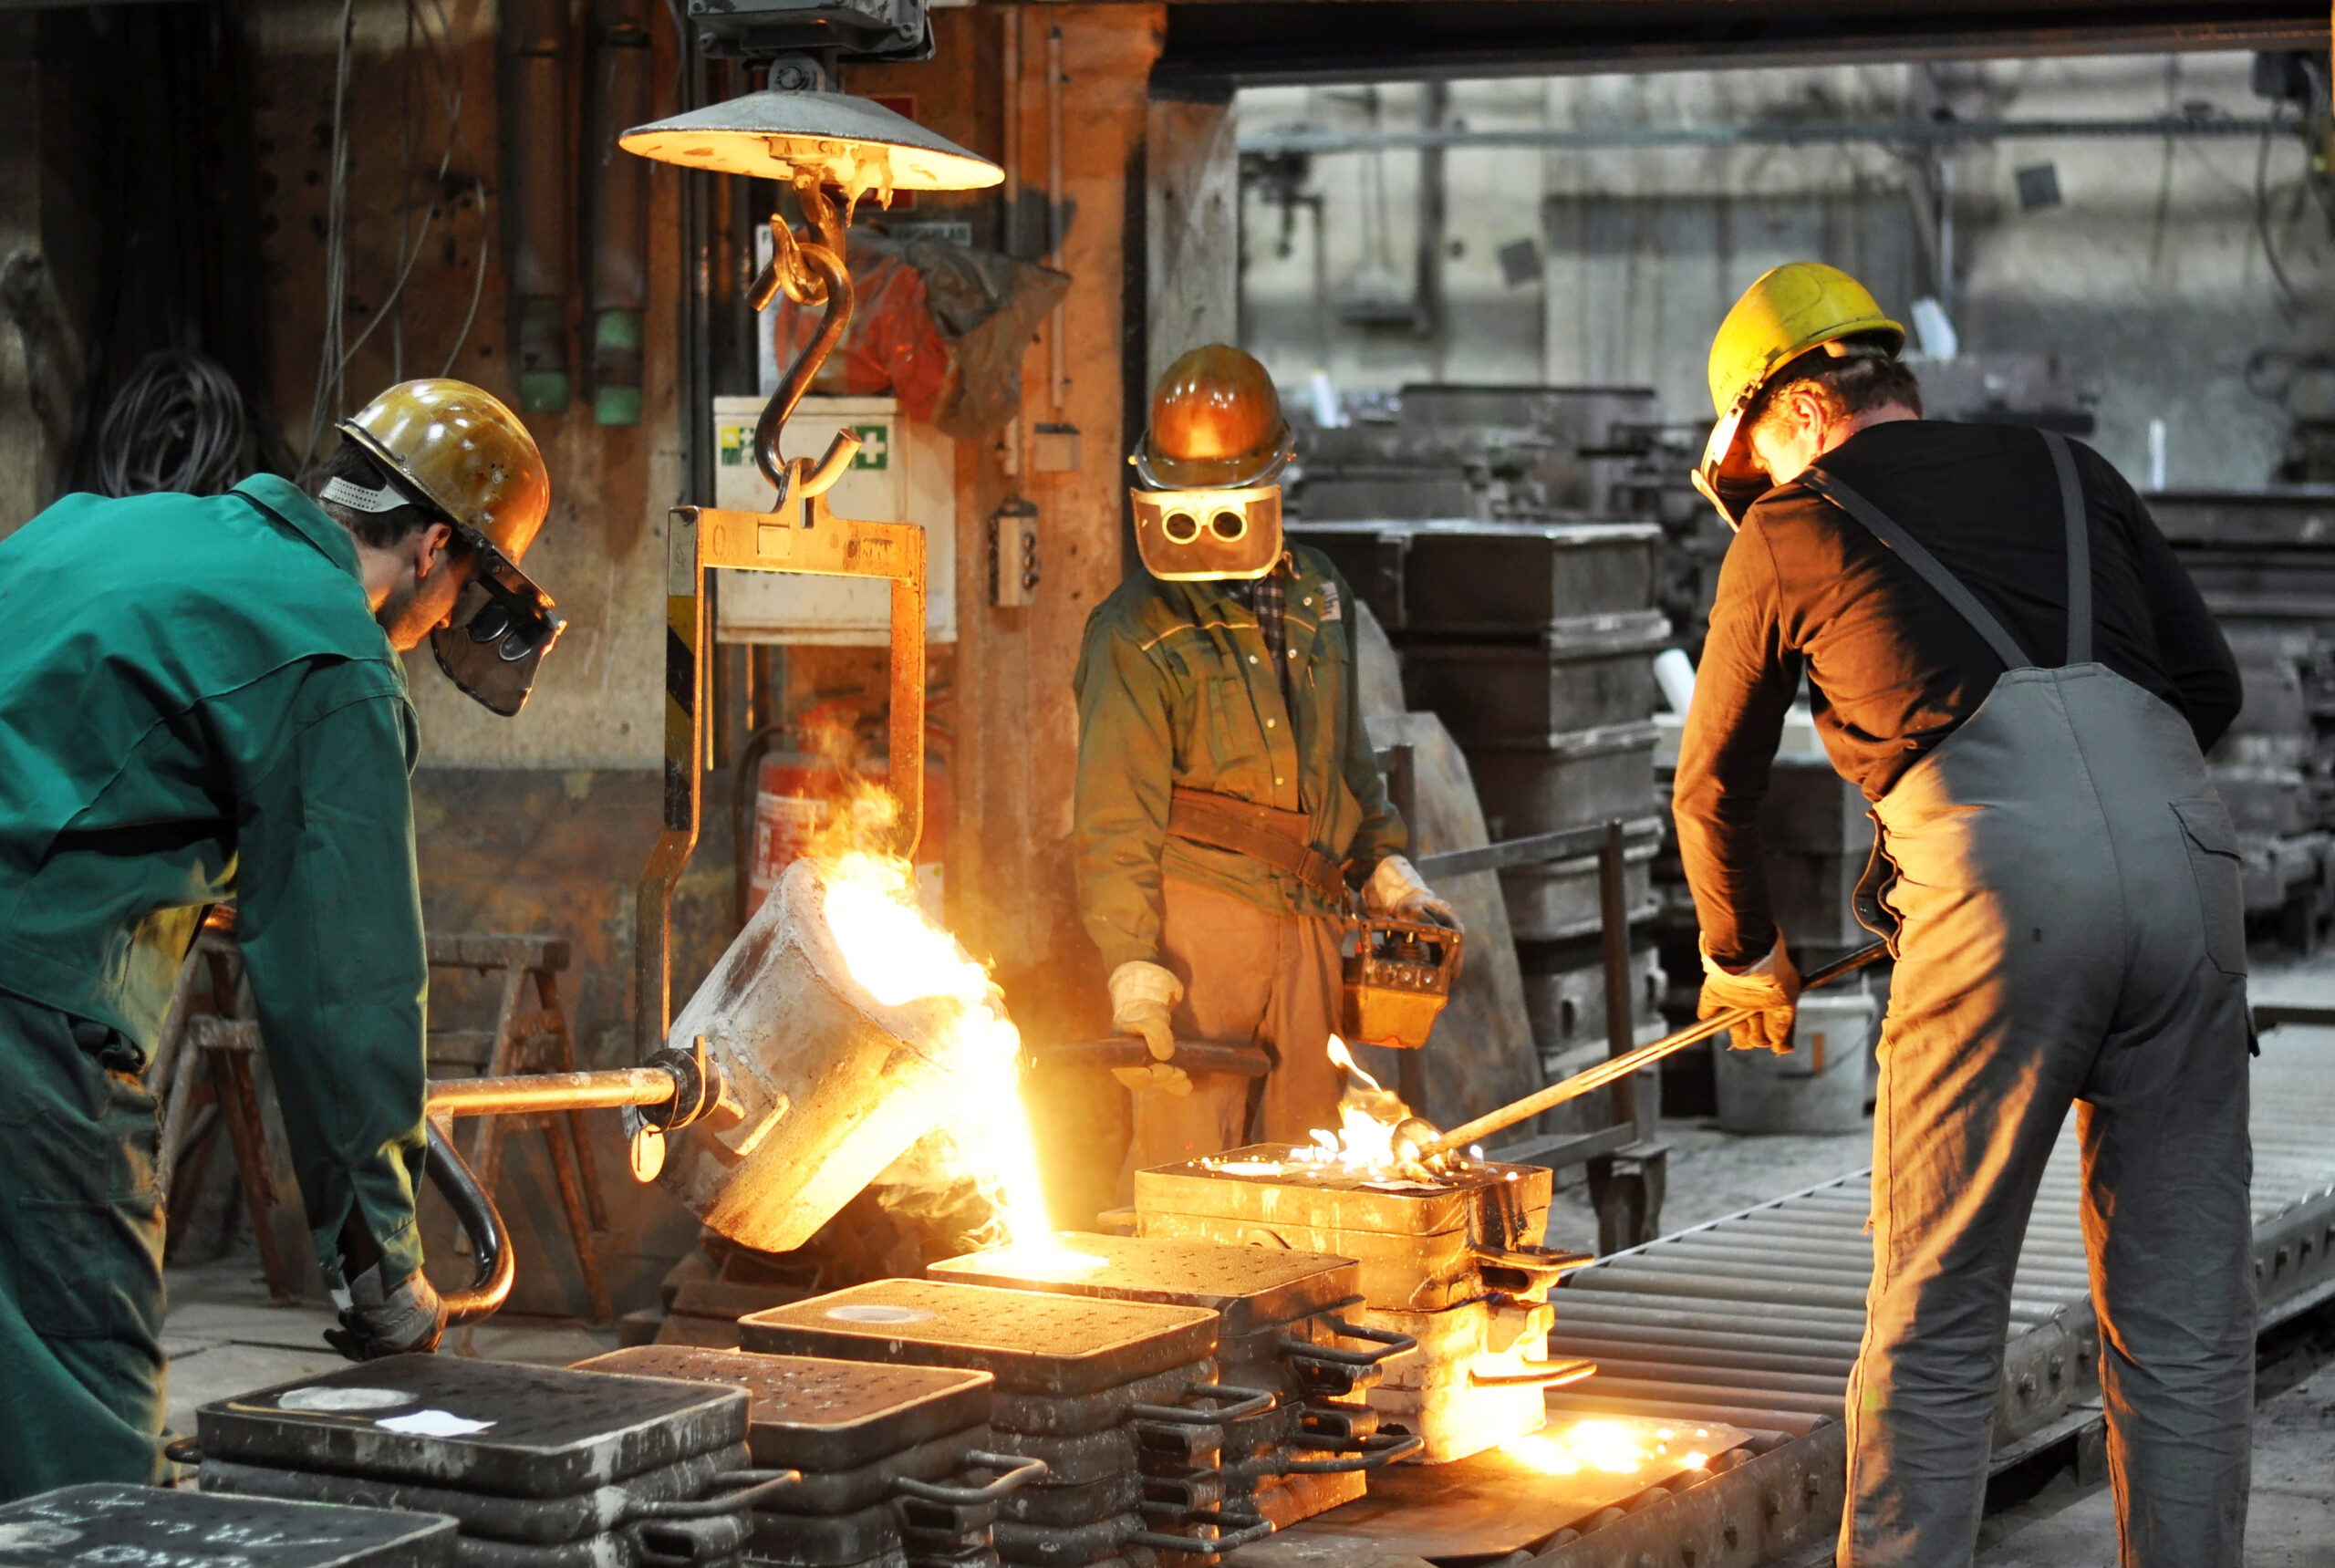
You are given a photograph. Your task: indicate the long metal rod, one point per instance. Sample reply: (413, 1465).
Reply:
(1618, 1067)
(1802, 133)
(617, 1086)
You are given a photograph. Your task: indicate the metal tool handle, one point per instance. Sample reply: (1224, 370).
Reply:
(1019, 1472)
(1378, 1450)
(1390, 1343)
(1129, 1050)
(1618, 1067)
(747, 1489)
(1250, 1528)
(1246, 1402)
(495, 1265)
(1570, 1371)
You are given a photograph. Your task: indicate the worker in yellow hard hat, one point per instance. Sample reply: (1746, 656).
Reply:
(2003, 652)
(1229, 809)
(200, 698)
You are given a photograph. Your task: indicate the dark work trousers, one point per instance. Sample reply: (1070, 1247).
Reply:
(81, 1362)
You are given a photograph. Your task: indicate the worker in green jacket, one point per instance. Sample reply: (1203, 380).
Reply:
(1229, 802)
(201, 700)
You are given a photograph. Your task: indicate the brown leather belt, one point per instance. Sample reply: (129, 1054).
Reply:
(1280, 839)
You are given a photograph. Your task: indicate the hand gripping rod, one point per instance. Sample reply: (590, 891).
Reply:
(1608, 1071)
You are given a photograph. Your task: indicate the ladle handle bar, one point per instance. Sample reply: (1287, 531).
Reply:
(1619, 1067)
(495, 1267)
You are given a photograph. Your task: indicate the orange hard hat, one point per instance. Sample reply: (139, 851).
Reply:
(1216, 423)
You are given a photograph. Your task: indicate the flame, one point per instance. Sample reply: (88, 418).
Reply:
(898, 957)
(1370, 1118)
(1607, 1446)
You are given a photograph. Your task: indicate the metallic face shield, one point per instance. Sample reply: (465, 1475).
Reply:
(502, 627)
(1208, 535)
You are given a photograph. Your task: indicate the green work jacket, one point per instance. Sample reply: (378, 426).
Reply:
(195, 705)
(1175, 686)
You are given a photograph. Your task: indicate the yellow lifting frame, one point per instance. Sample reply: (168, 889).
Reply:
(802, 535)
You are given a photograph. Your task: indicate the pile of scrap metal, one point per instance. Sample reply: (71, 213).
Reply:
(2266, 563)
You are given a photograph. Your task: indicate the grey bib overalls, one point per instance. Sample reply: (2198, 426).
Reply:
(2069, 928)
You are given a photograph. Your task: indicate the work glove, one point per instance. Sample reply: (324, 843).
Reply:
(403, 1319)
(1142, 996)
(1397, 891)
(1771, 985)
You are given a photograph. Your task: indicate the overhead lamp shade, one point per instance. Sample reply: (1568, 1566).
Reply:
(848, 141)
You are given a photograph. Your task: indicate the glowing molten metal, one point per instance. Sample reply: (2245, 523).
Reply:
(899, 956)
(1612, 1446)
(1374, 1129)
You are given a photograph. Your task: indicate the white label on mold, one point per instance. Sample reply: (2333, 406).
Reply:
(432, 1424)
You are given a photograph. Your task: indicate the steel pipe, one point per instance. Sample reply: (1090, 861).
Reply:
(617, 1087)
(1684, 1412)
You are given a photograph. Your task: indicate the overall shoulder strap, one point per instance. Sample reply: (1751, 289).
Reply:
(1925, 565)
(2063, 462)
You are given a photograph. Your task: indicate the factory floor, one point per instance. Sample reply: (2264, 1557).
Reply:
(225, 1336)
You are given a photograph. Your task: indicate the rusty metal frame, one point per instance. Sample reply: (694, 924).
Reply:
(802, 535)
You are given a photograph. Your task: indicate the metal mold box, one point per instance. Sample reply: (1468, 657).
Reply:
(107, 1521)
(482, 1425)
(1034, 1344)
(812, 1413)
(1251, 1288)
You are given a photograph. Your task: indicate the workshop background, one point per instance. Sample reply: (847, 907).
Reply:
(320, 197)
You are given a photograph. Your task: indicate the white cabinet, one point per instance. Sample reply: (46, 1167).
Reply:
(905, 472)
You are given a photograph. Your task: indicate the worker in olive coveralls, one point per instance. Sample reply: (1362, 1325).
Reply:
(2002, 650)
(201, 700)
(1229, 802)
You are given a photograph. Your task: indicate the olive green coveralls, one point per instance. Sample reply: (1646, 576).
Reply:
(1174, 688)
(195, 704)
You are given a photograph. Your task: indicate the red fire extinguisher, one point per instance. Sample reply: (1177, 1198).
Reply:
(793, 794)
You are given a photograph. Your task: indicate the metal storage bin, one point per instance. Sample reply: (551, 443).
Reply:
(1589, 775)
(1561, 900)
(1525, 579)
(1587, 675)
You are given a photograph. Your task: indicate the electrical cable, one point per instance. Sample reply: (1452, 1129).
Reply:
(333, 357)
(179, 422)
(2291, 301)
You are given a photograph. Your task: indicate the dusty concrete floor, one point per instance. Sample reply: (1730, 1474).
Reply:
(2290, 1522)
(225, 1336)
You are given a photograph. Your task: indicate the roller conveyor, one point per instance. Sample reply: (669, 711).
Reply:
(1754, 1320)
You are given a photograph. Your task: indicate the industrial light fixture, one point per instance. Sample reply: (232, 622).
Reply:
(853, 143)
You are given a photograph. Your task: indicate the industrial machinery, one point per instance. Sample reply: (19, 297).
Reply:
(830, 150)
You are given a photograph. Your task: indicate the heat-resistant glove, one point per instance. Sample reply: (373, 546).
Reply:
(1771, 985)
(398, 1320)
(1142, 997)
(1397, 891)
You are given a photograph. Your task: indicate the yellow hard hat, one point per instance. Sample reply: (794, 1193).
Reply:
(472, 458)
(1790, 310)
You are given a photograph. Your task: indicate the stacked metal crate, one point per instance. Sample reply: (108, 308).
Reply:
(1120, 1399)
(1282, 1327)
(1536, 645)
(539, 1467)
(897, 1465)
(112, 1521)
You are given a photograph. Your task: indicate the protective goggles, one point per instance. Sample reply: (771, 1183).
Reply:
(502, 627)
(1208, 535)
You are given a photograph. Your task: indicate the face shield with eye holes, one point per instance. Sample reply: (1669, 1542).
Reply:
(501, 627)
(1208, 535)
